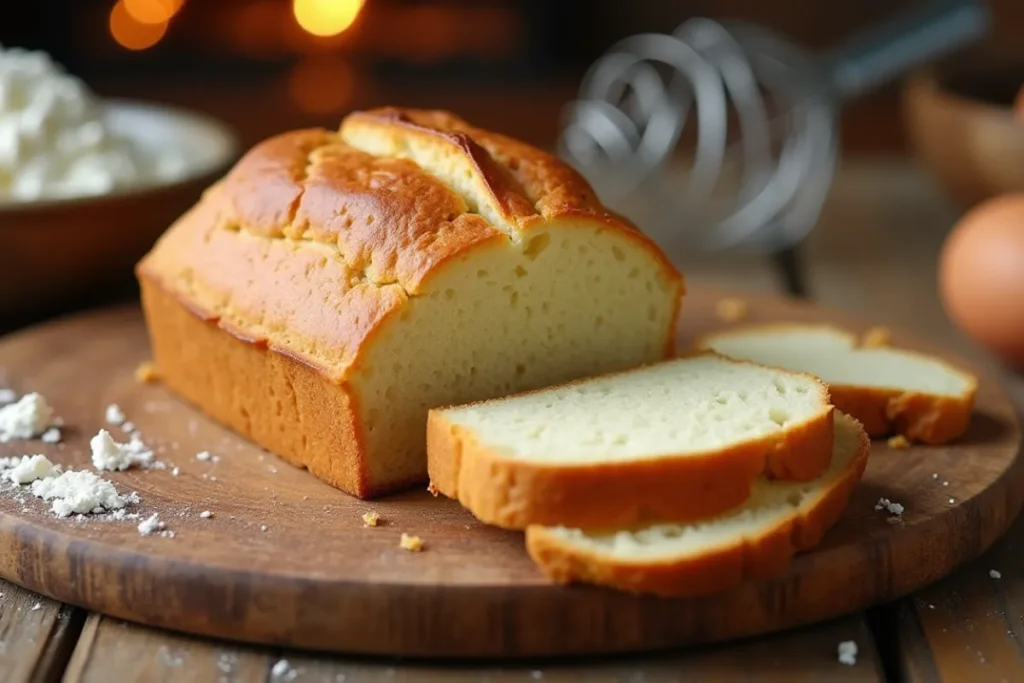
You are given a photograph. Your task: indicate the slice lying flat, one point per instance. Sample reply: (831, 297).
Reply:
(680, 439)
(756, 540)
(888, 390)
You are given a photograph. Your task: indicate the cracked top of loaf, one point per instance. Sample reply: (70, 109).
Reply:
(354, 222)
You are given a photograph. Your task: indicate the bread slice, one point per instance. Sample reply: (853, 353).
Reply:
(888, 390)
(756, 540)
(679, 439)
(337, 284)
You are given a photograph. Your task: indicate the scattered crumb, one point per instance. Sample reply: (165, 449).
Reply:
(108, 454)
(847, 652)
(994, 574)
(206, 456)
(8, 396)
(411, 543)
(31, 468)
(51, 435)
(731, 309)
(371, 518)
(146, 372)
(889, 506)
(432, 489)
(81, 492)
(175, 472)
(900, 442)
(206, 514)
(26, 419)
(151, 525)
(271, 469)
(115, 415)
(128, 426)
(876, 336)
(263, 527)
(945, 483)
(283, 671)
(935, 475)
(952, 501)
(931, 606)
(36, 606)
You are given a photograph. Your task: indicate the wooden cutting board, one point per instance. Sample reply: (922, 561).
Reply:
(287, 560)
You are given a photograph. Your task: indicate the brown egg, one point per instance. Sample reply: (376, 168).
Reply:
(981, 276)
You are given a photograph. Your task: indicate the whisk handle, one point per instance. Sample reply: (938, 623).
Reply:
(889, 50)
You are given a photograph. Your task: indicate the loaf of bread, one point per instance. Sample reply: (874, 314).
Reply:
(888, 390)
(680, 439)
(336, 285)
(755, 540)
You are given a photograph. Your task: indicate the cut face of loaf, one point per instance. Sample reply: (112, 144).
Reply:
(888, 390)
(335, 285)
(681, 439)
(756, 540)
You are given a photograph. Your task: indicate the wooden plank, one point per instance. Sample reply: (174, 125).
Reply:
(113, 650)
(36, 635)
(804, 655)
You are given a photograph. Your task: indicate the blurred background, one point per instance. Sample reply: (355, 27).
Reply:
(268, 65)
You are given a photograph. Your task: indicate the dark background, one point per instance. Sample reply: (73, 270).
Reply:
(506, 64)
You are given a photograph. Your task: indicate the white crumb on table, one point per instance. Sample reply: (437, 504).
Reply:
(152, 525)
(36, 606)
(32, 468)
(27, 418)
(847, 653)
(283, 671)
(175, 472)
(995, 574)
(206, 456)
(890, 507)
(128, 427)
(114, 415)
(81, 492)
(108, 454)
(952, 501)
(263, 527)
(206, 514)
(51, 435)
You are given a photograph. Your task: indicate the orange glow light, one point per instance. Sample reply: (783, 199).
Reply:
(326, 17)
(152, 11)
(131, 33)
(321, 85)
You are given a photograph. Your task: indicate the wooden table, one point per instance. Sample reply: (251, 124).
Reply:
(874, 254)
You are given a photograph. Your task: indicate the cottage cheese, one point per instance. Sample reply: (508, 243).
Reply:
(32, 468)
(79, 492)
(54, 141)
(108, 454)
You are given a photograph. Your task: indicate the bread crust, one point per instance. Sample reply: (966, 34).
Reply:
(717, 569)
(925, 418)
(514, 494)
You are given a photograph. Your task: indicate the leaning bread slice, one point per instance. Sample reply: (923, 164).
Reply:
(888, 390)
(756, 540)
(680, 439)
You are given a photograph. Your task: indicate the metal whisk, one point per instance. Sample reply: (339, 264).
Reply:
(765, 148)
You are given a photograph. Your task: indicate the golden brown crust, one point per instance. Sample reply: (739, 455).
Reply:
(926, 418)
(279, 403)
(717, 569)
(515, 494)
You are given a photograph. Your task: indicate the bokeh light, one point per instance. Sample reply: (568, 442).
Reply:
(131, 33)
(326, 17)
(152, 11)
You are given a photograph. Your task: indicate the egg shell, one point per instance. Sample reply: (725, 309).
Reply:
(981, 276)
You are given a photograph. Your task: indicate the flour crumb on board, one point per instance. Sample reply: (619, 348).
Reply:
(206, 456)
(263, 527)
(8, 396)
(731, 310)
(847, 652)
(154, 525)
(995, 574)
(283, 671)
(413, 544)
(32, 468)
(26, 418)
(36, 606)
(206, 514)
(935, 475)
(898, 442)
(952, 501)
(114, 415)
(51, 435)
(894, 509)
(371, 518)
(175, 472)
(108, 454)
(81, 492)
(128, 427)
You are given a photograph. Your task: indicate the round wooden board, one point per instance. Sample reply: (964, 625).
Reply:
(287, 560)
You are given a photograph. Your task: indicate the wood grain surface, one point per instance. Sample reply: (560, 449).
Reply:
(286, 560)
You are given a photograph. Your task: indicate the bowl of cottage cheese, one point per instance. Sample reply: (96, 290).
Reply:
(88, 184)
